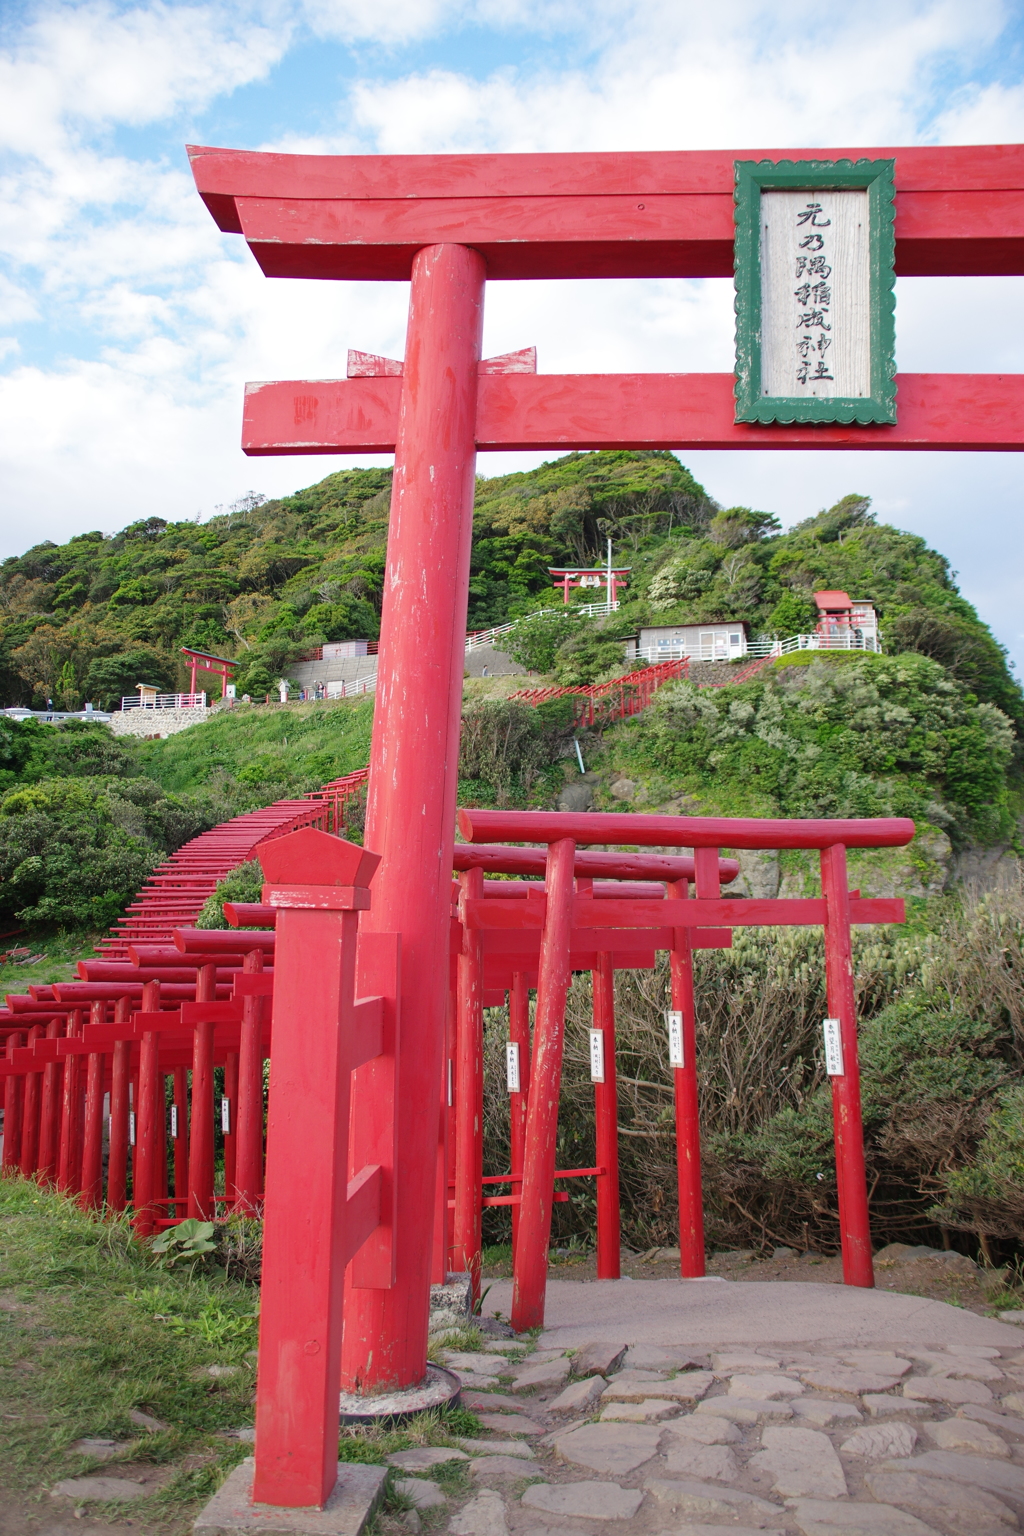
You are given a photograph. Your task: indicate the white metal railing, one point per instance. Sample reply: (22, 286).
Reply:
(586, 610)
(353, 687)
(718, 650)
(845, 640)
(165, 701)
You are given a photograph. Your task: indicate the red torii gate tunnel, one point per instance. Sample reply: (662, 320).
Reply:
(446, 224)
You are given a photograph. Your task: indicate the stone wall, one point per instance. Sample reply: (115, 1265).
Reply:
(156, 722)
(485, 661)
(343, 669)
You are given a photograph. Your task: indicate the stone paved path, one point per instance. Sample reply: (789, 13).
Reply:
(854, 1435)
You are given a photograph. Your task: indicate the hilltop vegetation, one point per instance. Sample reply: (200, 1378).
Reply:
(266, 580)
(930, 729)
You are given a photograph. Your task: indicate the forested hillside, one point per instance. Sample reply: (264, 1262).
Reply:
(267, 580)
(930, 729)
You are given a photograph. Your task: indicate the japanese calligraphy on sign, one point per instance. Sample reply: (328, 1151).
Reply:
(815, 294)
(814, 273)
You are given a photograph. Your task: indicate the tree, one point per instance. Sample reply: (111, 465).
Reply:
(533, 642)
(740, 525)
(793, 614)
(110, 678)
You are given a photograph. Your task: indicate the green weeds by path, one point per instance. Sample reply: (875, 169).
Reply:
(89, 1330)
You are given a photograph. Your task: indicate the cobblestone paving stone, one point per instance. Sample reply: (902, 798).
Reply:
(799, 1442)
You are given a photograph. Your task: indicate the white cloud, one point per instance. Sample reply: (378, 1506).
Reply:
(161, 319)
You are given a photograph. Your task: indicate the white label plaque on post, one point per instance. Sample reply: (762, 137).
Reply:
(512, 1066)
(225, 1116)
(597, 1055)
(676, 1053)
(174, 1121)
(833, 1033)
(131, 1128)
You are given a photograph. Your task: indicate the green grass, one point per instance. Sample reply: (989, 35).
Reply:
(295, 746)
(90, 1330)
(60, 952)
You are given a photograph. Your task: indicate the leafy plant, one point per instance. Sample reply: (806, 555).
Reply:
(187, 1243)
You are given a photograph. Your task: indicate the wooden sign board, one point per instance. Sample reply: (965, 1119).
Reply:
(814, 274)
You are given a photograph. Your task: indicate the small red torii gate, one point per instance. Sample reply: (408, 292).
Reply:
(445, 224)
(676, 921)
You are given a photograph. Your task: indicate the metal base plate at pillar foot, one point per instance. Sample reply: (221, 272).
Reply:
(438, 1389)
(357, 1493)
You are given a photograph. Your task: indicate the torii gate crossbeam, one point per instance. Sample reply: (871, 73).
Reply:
(446, 224)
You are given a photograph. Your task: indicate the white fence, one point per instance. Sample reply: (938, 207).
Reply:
(845, 640)
(715, 649)
(584, 610)
(165, 701)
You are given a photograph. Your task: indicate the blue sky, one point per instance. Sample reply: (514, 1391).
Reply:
(128, 324)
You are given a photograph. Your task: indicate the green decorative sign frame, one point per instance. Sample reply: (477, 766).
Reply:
(753, 177)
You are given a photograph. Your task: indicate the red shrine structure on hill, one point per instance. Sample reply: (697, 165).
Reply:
(368, 942)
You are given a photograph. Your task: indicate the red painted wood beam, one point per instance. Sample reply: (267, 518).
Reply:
(959, 211)
(638, 829)
(953, 411)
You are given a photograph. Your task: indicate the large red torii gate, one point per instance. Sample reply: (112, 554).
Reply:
(445, 224)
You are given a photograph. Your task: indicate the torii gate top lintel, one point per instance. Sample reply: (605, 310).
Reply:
(667, 213)
(959, 211)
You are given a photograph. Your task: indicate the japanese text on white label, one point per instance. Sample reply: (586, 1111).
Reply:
(832, 1031)
(512, 1066)
(676, 1052)
(597, 1055)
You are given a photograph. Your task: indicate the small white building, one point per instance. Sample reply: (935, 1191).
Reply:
(344, 650)
(700, 642)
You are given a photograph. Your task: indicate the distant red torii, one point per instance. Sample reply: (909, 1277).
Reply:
(204, 661)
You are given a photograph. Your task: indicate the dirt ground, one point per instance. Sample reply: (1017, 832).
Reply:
(955, 1279)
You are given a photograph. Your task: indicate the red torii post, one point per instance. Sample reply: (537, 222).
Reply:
(446, 223)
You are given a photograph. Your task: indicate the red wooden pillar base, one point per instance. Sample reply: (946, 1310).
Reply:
(69, 1161)
(229, 1117)
(688, 1171)
(249, 1130)
(179, 1138)
(149, 1108)
(307, 1232)
(51, 1102)
(518, 1100)
(117, 1160)
(606, 1126)
(848, 1129)
(469, 1089)
(200, 1152)
(530, 1264)
(14, 1089)
(31, 1108)
(91, 1196)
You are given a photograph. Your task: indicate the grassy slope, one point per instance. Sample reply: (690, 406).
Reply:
(296, 747)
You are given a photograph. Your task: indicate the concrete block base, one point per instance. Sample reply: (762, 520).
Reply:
(356, 1495)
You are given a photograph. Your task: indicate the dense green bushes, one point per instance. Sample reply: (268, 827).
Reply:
(81, 826)
(942, 1044)
(854, 735)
